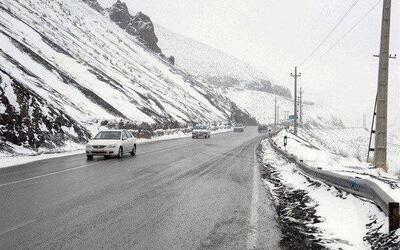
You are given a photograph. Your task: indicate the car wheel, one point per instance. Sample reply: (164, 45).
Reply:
(133, 153)
(120, 152)
(89, 157)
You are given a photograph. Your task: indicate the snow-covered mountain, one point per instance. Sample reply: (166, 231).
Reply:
(241, 83)
(68, 67)
(213, 65)
(65, 66)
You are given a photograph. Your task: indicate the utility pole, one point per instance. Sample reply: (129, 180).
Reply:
(275, 121)
(301, 106)
(277, 115)
(382, 94)
(295, 76)
(364, 121)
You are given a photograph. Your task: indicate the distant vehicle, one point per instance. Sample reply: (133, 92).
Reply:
(238, 127)
(201, 131)
(263, 129)
(109, 143)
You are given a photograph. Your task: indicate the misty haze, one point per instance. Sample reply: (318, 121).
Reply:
(187, 124)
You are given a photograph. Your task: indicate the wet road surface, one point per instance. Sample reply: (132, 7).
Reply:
(176, 194)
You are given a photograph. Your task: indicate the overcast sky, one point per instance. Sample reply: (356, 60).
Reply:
(274, 36)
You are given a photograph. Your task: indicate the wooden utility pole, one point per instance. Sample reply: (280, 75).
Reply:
(295, 76)
(382, 94)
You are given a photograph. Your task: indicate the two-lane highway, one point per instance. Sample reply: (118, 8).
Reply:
(176, 194)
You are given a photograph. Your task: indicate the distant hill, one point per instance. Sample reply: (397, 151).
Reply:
(213, 65)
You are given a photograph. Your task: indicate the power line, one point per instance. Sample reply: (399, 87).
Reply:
(345, 35)
(331, 32)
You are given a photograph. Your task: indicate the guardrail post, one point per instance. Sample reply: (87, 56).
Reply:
(394, 216)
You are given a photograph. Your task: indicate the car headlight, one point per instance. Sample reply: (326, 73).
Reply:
(88, 146)
(112, 146)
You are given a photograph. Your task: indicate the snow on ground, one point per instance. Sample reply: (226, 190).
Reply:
(341, 154)
(354, 142)
(342, 218)
(28, 155)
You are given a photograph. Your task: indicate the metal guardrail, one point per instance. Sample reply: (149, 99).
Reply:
(357, 186)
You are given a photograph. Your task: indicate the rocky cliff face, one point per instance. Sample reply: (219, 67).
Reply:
(138, 25)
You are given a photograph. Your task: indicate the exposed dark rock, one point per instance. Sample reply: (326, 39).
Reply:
(34, 123)
(95, 5)
(240, 116)
(295, 209)
(282, 91)
(146, 130)
(171, 60)
(138, 25)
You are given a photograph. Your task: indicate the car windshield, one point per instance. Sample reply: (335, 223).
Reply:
(200, 127)
(108, 135)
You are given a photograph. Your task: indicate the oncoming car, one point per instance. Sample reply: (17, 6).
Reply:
(201, 131)
(263, 129)
(238, 127)
(111, 143)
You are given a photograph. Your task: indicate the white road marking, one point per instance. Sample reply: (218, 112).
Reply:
(253, 232)
(17, 227)
(45, 175)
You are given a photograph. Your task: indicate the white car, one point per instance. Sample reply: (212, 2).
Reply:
(111, 143)
(201, 131)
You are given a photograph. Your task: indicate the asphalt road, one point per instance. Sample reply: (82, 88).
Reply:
(176, 194)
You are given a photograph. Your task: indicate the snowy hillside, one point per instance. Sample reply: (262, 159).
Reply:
(353, 143)
(214, 66)
(202, 60)
(248, 88)
(65, 67)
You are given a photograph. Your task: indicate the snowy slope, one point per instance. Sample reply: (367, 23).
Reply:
(241, 83)
(214, 66)
(85, 68)
(202, 60)
(353, 143)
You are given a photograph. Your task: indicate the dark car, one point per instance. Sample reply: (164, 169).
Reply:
(238, 128)
(263, 129)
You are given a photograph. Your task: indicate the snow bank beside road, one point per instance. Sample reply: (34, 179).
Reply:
(340, 157)
(320, 215)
